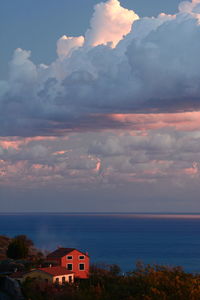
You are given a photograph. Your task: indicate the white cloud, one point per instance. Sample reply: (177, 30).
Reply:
(155, 66)
(23, 73)
(190, 7)
(109, 24)
(66, 45)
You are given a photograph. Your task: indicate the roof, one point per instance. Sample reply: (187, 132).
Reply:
(55, 271)
(17, 274)
(60, 252)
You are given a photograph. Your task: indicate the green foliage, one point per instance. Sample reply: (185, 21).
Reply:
(18, 248)
(144, 283)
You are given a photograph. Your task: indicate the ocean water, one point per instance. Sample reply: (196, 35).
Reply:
(123, 239)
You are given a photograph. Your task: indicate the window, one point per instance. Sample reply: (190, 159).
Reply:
(57, 280)
(69, 267)
(69, 257)
(70, 279)
(81, 267)
(81, 257)
(63, 279)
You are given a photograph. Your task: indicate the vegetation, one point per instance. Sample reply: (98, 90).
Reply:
(19, 254)
(4, 242)
(18, 248)
(105, 282)
(145, 283)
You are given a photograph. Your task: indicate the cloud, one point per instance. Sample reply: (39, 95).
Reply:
(109, 24)
(23, 73)
(152, 66)
(189, 7)
(102, 159)
(66, 45)
(184, 121)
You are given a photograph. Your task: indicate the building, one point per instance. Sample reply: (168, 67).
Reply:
(18, 276)
(73, 260)
(59, 275)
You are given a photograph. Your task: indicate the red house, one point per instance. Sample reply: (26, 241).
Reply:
(74, 260)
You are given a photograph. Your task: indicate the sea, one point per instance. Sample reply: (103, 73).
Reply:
(114, 238)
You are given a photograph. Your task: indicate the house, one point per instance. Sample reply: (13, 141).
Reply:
(73, 260)
(18, 276)
(59, 275)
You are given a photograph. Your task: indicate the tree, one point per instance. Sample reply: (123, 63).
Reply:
(25, 240)
(19, 247)
(115, 270)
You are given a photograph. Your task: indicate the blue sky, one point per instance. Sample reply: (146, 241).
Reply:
(36, 25)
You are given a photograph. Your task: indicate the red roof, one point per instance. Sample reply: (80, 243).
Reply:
(60, 252)
(55, 271)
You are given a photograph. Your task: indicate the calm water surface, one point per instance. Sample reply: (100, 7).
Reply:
(115, 238)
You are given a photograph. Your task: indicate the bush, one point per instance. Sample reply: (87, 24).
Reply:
(144, 283)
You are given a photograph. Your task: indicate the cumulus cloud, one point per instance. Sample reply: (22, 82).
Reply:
(109, 24)
(190, 7)
(23, 73)
(102, 159)
(66, 45)
(123, 64)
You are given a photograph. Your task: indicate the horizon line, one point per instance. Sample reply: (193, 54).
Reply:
(100, 212)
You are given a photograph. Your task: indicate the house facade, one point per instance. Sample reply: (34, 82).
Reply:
(73, 260)
(58, 275)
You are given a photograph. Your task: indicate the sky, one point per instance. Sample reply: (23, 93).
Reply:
(99, 106)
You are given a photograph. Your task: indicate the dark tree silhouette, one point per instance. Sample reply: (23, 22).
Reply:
(28, 242)
(19, 247)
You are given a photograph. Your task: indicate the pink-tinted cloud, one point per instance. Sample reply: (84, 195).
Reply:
(6, 144)
(16, 142)
(66, 45)
(185, 121)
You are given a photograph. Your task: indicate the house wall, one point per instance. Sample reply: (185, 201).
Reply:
(67, 278)
(39, 275)
(51, 279)
(76, 261)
